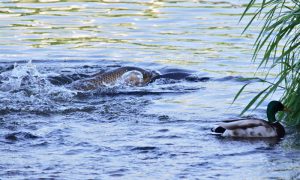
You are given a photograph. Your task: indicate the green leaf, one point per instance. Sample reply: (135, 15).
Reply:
(254, 100)
(239, 92)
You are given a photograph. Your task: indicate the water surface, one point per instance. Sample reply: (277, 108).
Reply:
(160, 131)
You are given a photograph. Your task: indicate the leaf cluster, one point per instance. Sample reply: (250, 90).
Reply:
(279, 44)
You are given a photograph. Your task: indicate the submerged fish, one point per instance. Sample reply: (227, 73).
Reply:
(130, 75)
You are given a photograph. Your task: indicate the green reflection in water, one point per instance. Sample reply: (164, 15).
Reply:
(195, 31)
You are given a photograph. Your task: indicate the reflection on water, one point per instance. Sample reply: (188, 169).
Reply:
(159, 131)
(151, 31)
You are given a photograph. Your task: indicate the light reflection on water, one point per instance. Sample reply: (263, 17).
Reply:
(150, 31)
(163, 132)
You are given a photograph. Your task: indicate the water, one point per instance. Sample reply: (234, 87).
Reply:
(160, 131)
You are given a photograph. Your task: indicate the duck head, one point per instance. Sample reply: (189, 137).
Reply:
(273, 108)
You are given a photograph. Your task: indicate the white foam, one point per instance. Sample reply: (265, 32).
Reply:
(26, 82)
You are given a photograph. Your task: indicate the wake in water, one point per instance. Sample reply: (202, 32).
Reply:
(27, 81)
(23, 88)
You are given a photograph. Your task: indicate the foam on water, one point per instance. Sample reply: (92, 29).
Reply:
(25, 88)
(132, 78)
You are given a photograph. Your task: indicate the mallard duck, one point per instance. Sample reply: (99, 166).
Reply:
(254, 127)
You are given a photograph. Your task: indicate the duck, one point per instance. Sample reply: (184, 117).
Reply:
(258, 128)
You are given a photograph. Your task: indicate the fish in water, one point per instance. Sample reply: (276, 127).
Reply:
(133, 76)
(254, 127)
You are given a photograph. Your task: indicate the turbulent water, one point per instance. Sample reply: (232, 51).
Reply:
(157, 131)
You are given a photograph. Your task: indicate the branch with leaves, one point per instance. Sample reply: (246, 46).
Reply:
(279, 42)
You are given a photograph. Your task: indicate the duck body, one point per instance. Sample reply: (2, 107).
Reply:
(247, 128)
(254, 127)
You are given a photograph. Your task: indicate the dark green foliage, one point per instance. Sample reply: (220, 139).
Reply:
(279, 43)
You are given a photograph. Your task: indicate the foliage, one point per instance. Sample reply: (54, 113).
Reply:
(279, 44)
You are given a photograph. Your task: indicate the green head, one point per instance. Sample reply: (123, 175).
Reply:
(272, 109)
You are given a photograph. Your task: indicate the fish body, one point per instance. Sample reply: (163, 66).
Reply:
(131, 75)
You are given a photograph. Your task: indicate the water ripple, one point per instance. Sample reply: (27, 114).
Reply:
(160, 131)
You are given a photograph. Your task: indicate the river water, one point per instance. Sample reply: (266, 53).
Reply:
(159, 131)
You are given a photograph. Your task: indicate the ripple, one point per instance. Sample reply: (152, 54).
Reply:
(118, 172)
(154, 132)
(166, 137)
(74, 151)
(145, 149)
(163, 130)
(18, 136)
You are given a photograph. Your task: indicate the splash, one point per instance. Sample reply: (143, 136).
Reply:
(131, 78)
(24, 88)
(21, 77)
(28, 79)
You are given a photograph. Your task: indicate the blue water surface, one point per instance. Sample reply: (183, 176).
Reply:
(159, 131)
